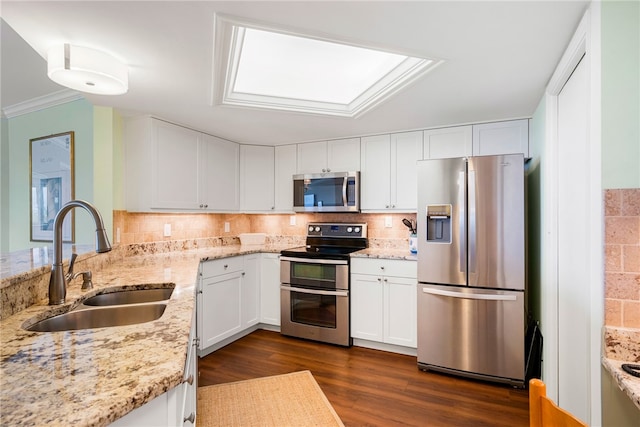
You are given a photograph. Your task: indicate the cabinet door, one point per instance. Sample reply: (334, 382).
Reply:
(447, 143)
(175, 167)
(256, 178)
(221, 299)
(375, 173)
(270, 289)
(343, 155)
(220, 178)
(406, 150)
(285, 168)
(510, 137)
(367, 296)
(312, 157)
(250, 291)
(400, 320)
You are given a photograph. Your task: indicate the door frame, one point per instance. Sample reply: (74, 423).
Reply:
(586, 42)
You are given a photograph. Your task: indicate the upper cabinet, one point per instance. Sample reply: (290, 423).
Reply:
(341, 155)
(510, 137)
(448, 142)
(257, 178)
(169, 167)
(220, 181)
(388, 175)
(285, 168)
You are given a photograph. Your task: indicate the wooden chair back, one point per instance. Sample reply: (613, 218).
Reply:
(543, 412)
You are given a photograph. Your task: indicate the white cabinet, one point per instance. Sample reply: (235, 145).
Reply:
(187, 399)
(341, 155)
(220, 300)
(220, 189)
(270, 289)
(169, 167)
(448, 142)
(383, 301)
(257, 178)
(389, 172)
(228, 298)
(510, 137)
(285, 168)
(250, 292)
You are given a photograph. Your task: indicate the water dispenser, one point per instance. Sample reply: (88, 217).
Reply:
(439, 223)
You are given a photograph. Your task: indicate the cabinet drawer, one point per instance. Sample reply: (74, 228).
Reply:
(385, 267)
(217, 267)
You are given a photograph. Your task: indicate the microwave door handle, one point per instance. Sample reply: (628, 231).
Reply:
(344, 190)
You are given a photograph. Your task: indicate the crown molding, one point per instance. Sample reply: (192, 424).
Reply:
(41, 103)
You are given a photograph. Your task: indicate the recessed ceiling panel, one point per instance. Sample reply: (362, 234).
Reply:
(282, 70)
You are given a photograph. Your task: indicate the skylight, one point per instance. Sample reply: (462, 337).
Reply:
(265, 68)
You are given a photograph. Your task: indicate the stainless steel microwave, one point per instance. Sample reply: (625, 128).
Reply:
(327, 192)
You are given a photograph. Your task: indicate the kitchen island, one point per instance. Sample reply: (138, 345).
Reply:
(93, 377)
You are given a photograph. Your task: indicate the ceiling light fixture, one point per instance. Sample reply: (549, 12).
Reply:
(87, 70)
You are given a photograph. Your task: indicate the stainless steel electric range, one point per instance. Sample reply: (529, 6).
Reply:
(314, 290)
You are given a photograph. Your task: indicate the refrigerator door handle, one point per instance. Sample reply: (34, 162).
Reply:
(462, 247)
(453, 294)
(471, 236)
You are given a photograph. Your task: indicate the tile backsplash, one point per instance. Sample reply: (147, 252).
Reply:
(149, 227)
(622, 257)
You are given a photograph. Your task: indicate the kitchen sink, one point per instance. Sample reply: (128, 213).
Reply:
(100, 317)
(134, 296)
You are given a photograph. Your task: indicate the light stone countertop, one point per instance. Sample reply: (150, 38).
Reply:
(92, 377)
(385, 253)
(623, 346)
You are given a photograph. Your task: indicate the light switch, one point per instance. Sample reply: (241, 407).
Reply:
(117, 234)
(387, 222)
(167, 230)
(227, 227)
(292, 220)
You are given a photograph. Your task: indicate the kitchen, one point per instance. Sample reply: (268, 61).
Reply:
(137, 228)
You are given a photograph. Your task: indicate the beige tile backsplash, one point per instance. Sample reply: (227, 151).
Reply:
(148, 227)
(622, 258)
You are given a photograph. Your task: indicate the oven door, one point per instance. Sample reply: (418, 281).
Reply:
(315, 314)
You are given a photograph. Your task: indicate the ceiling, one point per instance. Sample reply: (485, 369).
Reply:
(498, 57)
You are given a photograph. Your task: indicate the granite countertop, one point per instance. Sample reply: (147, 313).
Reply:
(623, 346)
(385, 253)
(92, 377)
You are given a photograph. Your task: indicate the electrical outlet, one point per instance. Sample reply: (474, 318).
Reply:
(167, 230)
(387, 222)
(292, 220)
(227, 227)
(117, 234)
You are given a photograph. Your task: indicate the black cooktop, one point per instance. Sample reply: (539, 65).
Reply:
(331, 241)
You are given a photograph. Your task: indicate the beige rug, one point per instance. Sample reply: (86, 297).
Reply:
(293, 399)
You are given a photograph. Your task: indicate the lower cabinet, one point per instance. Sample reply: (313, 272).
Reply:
(175, 408)
(270, 289)
(228, 298)
(383, 301)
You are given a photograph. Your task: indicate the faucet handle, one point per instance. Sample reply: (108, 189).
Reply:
(69, 276)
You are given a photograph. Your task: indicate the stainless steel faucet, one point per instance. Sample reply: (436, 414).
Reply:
(58, 281)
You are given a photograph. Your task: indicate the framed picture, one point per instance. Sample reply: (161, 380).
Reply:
(51, 185)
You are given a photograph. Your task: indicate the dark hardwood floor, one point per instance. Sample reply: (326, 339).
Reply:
(369, 387)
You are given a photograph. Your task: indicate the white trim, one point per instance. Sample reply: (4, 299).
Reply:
(41, 103)
(586, 41)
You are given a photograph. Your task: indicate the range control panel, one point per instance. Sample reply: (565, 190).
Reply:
(317, 229)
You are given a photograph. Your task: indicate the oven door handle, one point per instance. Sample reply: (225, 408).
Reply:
(315, 261)
(315, 291)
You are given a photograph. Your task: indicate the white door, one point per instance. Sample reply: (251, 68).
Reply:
(573, 245)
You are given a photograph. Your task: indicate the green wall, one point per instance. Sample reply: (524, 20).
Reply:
(74, 116)
(620, 94)
(4, 184)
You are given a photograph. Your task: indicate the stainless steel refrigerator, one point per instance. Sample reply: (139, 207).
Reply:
(471, 267)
